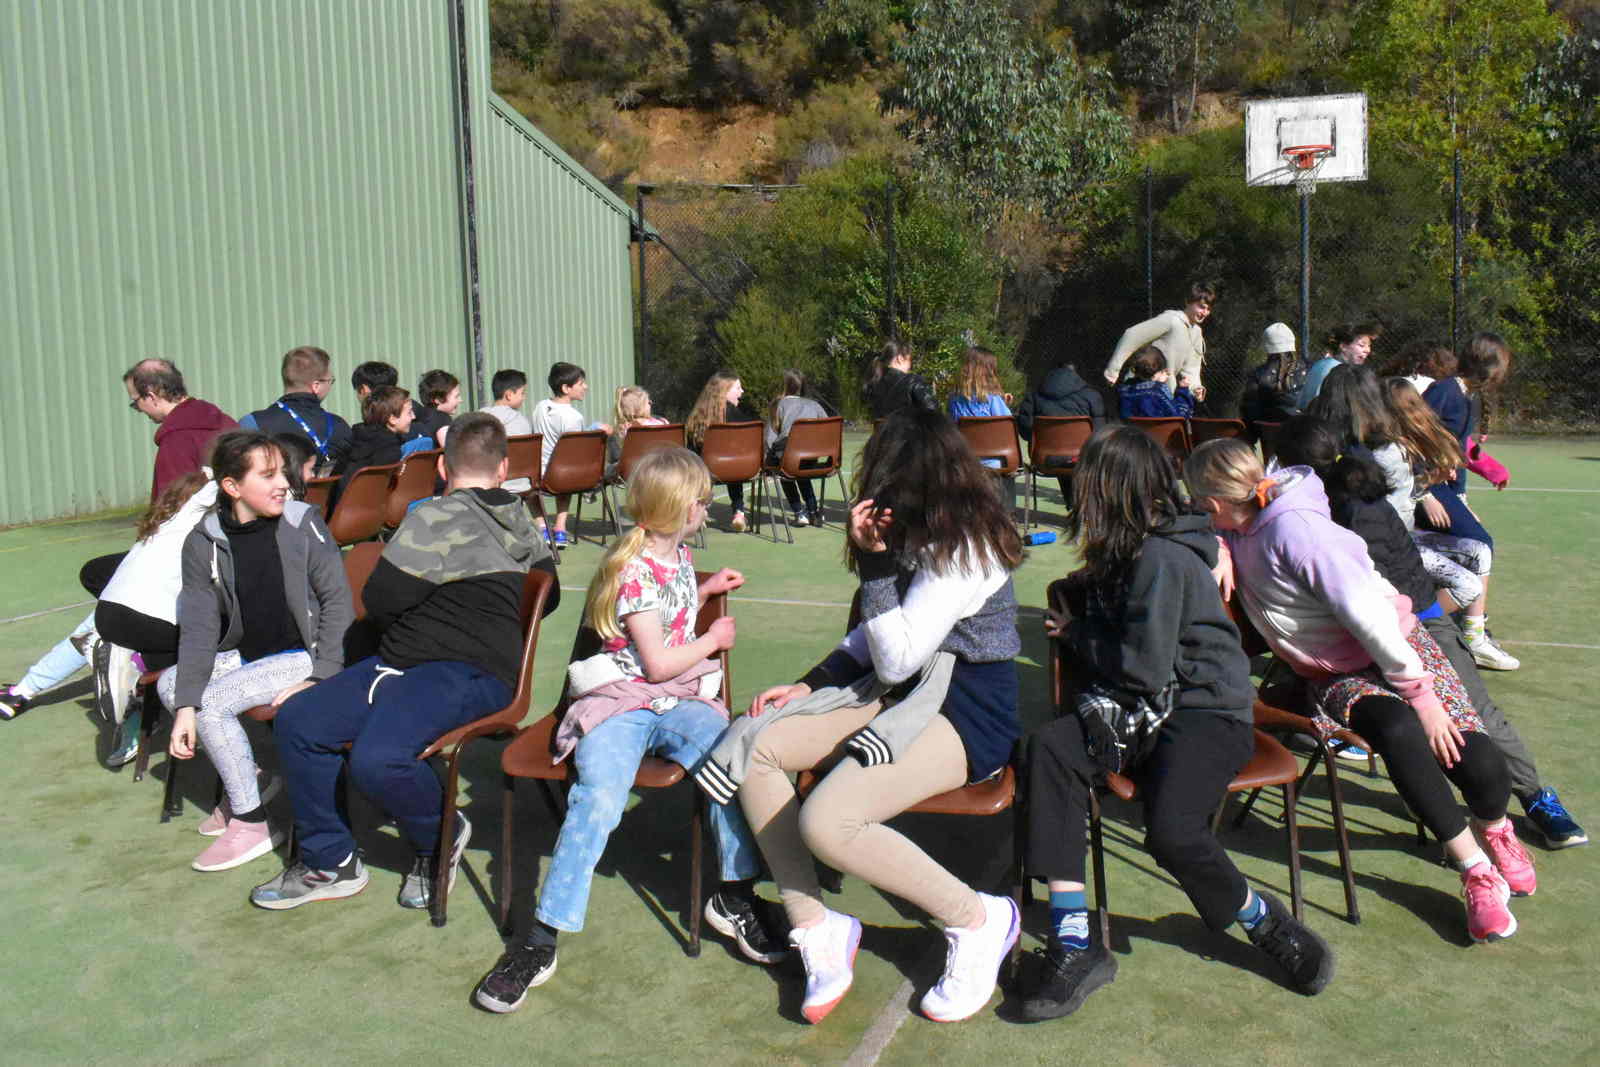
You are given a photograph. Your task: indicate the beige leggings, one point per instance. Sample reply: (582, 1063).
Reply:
(841, 822)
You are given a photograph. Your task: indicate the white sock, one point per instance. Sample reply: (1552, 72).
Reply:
(1471, 861)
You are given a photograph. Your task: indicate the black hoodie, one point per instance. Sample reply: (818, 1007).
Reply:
(1168, 616)
(305, 408)
(896, 391)
(1063, 392)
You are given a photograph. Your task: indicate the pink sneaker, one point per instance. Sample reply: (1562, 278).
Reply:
(1488, 918)
(214, 824)
(240, 843)
(1509, 857)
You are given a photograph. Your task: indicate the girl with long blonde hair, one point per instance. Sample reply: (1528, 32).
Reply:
(651, 689)
(632, 409)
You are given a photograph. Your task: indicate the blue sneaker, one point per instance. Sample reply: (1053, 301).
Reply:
(1354, 753)
(560, 539)
(1550, 818)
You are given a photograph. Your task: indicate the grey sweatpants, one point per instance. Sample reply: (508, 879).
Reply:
(1524, 775)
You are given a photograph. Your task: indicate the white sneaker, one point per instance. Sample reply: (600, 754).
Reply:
(1490, 656)
(972, 963)
(798, 518)
(121, 677)
(828, 951)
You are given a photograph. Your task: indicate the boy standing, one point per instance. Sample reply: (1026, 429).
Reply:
(554, 416)
(446, 595)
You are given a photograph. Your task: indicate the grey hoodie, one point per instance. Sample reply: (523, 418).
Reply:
(209, 619)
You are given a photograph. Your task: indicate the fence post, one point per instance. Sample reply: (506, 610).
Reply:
(1455, 254)
(467, 175)
(1305, 272)
(1149, 246)
(641, 352)
(892, 323)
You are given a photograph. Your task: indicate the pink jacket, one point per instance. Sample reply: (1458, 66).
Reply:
(1310, 588)
(617, 694)
(1486, 466)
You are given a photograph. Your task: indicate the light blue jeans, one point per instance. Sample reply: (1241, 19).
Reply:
(57, 665)
(606, 761)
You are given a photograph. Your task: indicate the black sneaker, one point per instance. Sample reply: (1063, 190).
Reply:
(517, 970)
(735, 917)
(1065, 978)
(12, 702)
(1298, 950)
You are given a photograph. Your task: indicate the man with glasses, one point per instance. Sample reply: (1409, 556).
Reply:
(185, 425)
(307, 377)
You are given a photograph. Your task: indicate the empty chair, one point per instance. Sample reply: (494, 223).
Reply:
(1053, 452)
(359, 513)
(416, 480)
(733, 453)
(1170, 432)
(994, 438)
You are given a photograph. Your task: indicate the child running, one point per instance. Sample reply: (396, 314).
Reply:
(1145, 614)
(1309, 587)
(934, 550)
(262, 616)
(651, 690)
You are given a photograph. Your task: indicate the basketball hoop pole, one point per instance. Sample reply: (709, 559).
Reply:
(1305, 273)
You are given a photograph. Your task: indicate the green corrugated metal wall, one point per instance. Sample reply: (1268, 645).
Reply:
(216, 183)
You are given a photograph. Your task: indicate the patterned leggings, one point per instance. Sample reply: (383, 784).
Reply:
(235, 688)
(1458, 564)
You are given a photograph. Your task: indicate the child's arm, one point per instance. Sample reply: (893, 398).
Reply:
(724, 581)
(325, 573)
(200, 625)
(661, 663)
(1182, 399)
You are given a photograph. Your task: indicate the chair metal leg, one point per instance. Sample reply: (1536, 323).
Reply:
(696, 870)
(1033, 499)
(149, 712)
(507, 851)
(1293, 829)
(439, 899)
(775, 501)
(609, 510)
(1098, 856)
(1244, 809)
(171, 798)
(1336, 802)
(1021, 891)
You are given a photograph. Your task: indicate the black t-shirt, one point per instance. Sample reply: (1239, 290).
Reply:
(258, 581)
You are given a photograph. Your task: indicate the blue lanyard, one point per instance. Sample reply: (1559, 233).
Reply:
(321, 445)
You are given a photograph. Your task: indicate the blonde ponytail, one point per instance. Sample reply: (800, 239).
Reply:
(600, 611)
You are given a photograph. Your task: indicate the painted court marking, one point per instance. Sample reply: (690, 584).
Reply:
(883, 1028)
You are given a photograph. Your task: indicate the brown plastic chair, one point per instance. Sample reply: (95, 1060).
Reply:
(577, 466)
(733, 452)
(994, 437)
(318, 492)
(1270, 764)
(1203, 430)
(638, 441)
(530, 756)
(1053, 452)
(359, 514)
(992, 796)
(1267, 435)
(523, 453)
(814, 449)
(416, 480)
(1170, 432)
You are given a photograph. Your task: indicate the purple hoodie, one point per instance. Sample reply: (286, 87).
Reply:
(1310, 588)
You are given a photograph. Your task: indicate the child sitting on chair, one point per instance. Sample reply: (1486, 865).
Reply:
(1146, 397)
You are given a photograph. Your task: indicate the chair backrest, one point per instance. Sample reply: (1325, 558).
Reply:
(1170, 432)
(642, 439)
(1057, 441)
(319, 491)
(993, 437)
(733, 451)
(359, 563)
(577, 463)
(416, 480)
(1267, 433)
(816, 443)
(360, 512)
(1203, 430)
(523, 453)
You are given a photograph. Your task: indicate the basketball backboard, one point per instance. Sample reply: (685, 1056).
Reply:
(1270, 126)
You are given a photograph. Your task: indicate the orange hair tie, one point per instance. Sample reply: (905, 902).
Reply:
(1263, 487)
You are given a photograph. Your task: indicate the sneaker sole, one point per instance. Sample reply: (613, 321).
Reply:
(259, 849)
(715, 920)
(1564, 842)
(337, 891)
(1103, 974)
(1011, 939)
(500, 1007)
(1493, 665)
(99, 666)
(815, 1013)
(211, 831)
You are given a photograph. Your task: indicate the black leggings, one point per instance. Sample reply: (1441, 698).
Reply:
(736, 495)
(796, 488)
(1181, 784)
(1395, 733)
(154, 639)
(96, 574)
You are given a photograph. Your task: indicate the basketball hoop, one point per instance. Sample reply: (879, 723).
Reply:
(1303, 162)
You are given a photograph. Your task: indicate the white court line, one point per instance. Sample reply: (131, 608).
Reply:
(883, 1028)
(1550, 644)
(1522, 489)
(46, 611)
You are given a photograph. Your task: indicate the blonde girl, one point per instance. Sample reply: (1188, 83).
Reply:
(632, 409)
(650, 690)
(1310, 588)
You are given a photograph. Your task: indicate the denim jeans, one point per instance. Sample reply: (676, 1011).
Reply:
(606, 761)
(57, 665)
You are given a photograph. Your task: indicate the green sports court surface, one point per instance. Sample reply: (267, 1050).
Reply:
(114, 950)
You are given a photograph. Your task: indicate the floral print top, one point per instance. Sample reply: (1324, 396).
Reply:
(668, 589)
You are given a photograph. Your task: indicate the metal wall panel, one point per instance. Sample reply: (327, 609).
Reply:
(216, 183)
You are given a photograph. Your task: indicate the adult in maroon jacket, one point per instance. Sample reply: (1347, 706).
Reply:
(185, 425)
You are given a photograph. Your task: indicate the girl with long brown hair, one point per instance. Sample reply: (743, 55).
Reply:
(720, 401)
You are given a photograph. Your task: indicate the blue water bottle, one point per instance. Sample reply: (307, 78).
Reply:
(1043, 537)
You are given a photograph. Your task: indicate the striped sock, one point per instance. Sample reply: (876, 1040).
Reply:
(1254, 910)
(1069, 918)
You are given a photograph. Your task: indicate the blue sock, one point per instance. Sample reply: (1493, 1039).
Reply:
(1254, 910)
(1069, 918)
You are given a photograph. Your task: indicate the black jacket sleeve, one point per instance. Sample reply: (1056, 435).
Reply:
(390, 592)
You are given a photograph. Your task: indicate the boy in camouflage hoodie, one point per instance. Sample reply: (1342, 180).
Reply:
(446, 596)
